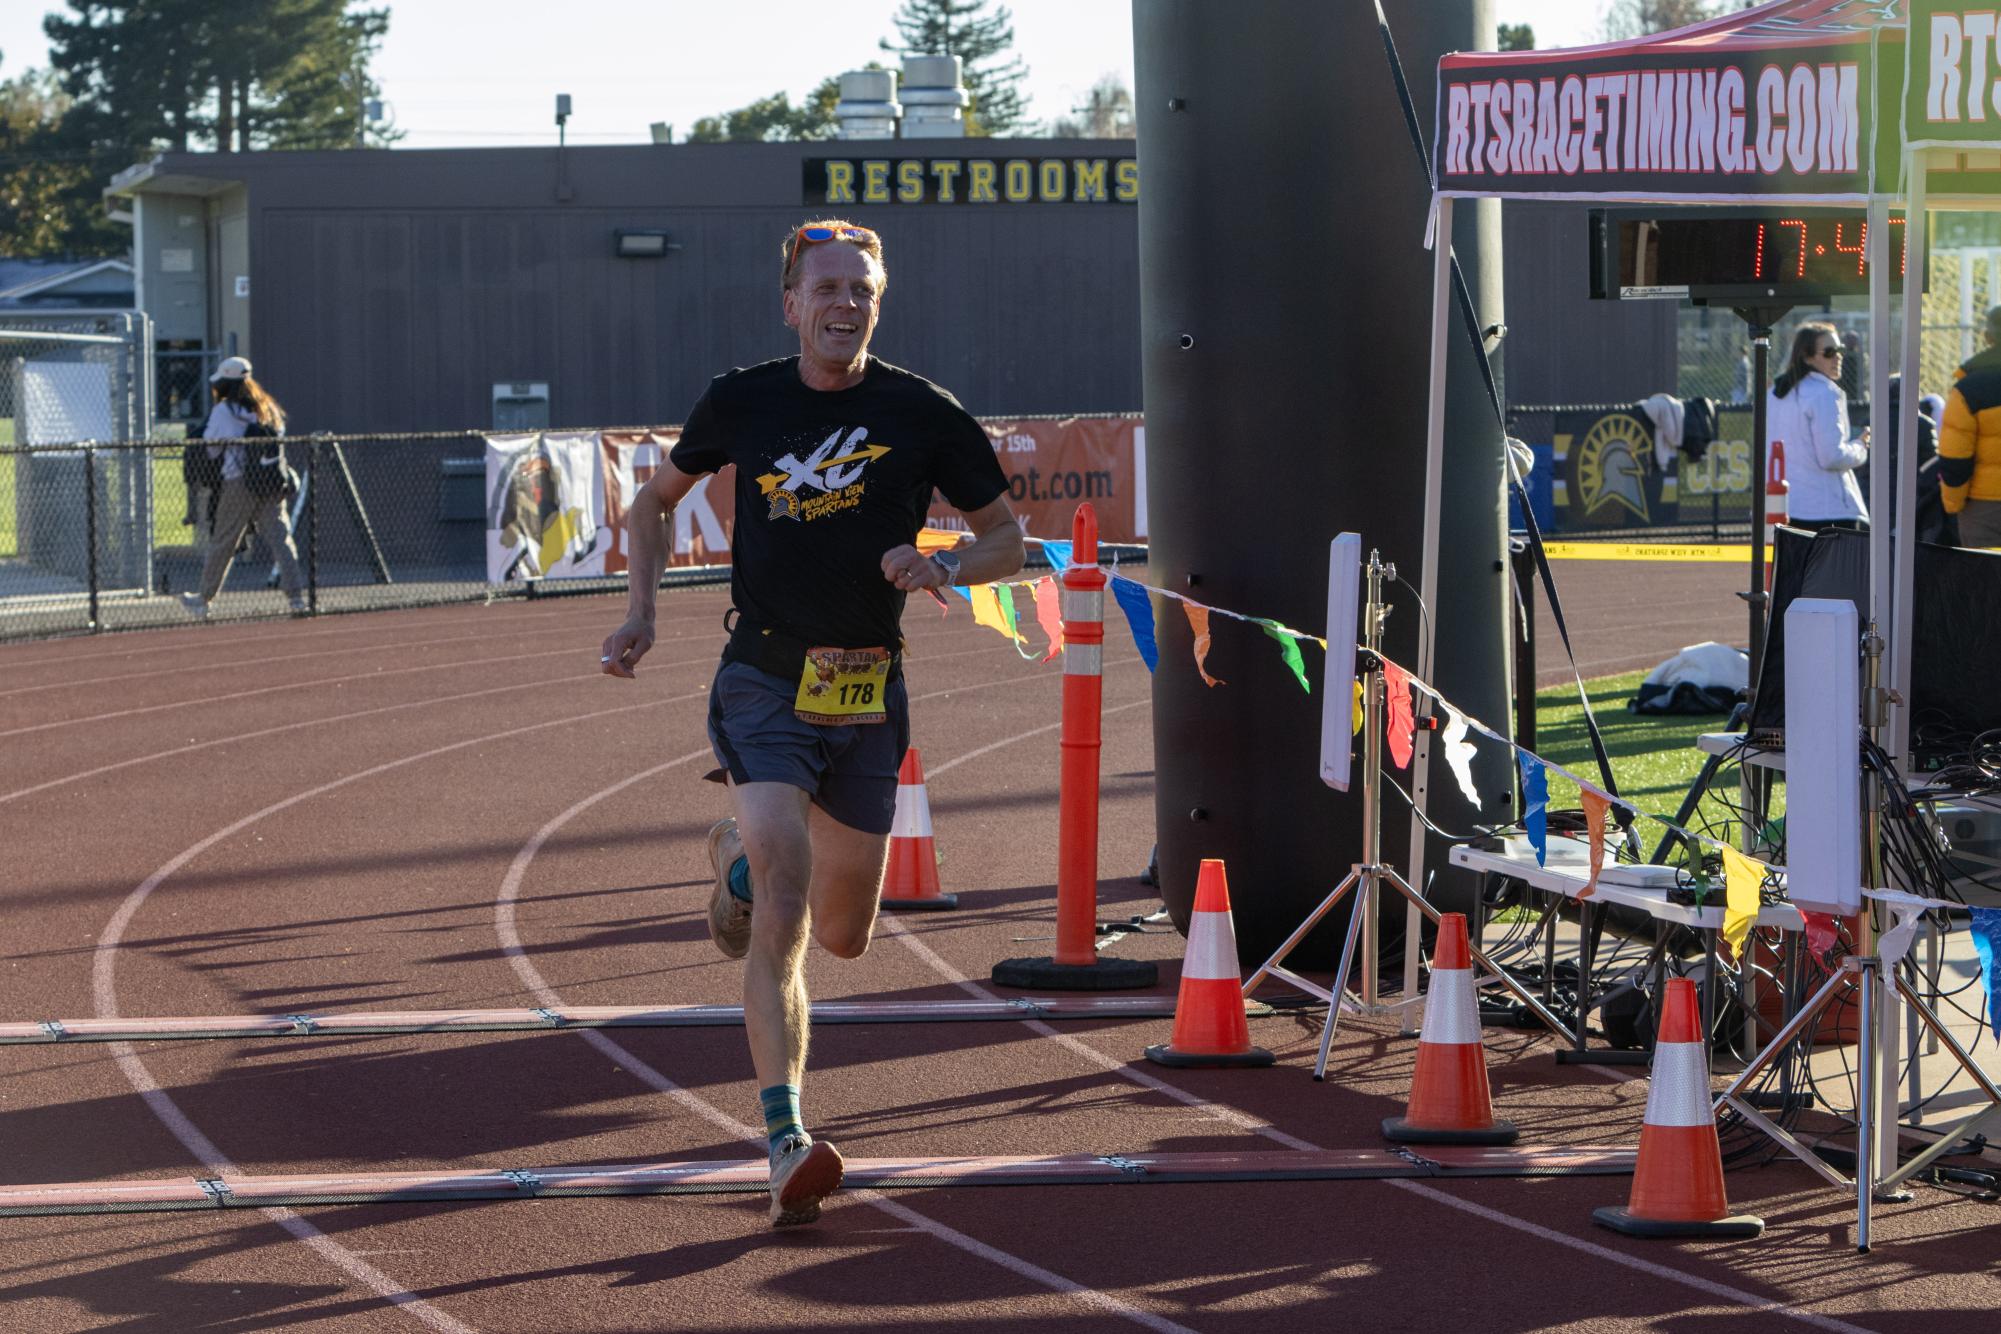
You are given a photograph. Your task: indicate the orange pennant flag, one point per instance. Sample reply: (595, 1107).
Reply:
(1198, 621)
(1595, 808)
(1049, 614)
(937, 539)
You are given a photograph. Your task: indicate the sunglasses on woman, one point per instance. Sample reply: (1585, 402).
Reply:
(1831, 351)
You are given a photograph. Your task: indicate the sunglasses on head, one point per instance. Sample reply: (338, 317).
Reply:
(806, 236)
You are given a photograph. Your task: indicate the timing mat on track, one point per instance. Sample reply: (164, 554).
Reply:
(369, 1022)
(752, 1175)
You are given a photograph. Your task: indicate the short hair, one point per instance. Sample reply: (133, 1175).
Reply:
(790, 249)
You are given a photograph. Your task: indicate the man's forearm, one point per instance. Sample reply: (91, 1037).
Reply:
(646, 545)
(995, 554)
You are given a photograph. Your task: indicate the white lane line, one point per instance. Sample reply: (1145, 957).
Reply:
(104, 991)
(1243, 1121)
(506, 930)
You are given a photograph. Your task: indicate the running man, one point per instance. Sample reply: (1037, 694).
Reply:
(837, 454)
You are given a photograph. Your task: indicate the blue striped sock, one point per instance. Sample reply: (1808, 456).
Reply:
(781, 1112)
(739, 878)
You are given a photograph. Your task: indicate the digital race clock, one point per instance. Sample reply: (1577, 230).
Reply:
(1735, 255)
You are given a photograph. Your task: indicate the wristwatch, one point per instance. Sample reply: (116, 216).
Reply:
(949, 563)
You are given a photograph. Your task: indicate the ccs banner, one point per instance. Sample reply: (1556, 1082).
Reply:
(557, 501)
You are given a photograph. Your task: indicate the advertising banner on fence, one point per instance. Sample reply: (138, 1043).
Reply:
(1052, 465)
(557, 501)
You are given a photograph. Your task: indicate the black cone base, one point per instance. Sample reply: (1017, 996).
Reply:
(1403, 1132)
(1620, 1219)
(937, 903)
(1045, 974)
(1165, 1054)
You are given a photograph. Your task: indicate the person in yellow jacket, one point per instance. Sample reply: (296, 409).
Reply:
(1969, 444)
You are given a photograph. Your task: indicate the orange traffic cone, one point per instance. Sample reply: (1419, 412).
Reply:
(1449, 1101)
(911, 881)
(1209, 1025)
(1678, 1181)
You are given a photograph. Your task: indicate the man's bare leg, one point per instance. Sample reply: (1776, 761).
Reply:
(809, 873)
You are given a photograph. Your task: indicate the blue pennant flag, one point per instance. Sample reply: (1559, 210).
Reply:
(963, 591)
(1535, 801)
(1138, 607)
(1986, 928)
(1058, 554)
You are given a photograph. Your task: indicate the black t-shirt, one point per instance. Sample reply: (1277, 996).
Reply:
(826, 482)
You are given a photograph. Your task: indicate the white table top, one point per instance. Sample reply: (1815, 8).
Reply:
(1722, 743)
(1570, 867)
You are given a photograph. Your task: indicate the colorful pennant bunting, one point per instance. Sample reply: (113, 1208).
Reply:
(1743, 891)
(1535, 805)
(1459, 752)
(1986, 929)
(1138, 607)
(1400, 725)
(1198, 624)
(990, 611)
(1057, 553)
(1595, 808)
(1288, 648)
(1821, 937)
(1049, 614)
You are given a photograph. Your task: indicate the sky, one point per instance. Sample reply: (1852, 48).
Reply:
(485, 73)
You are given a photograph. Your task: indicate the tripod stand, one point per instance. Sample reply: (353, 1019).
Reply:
(1366, 878)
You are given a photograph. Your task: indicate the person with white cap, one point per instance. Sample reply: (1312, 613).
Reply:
(248, 499)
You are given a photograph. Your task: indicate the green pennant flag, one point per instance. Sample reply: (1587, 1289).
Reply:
(1288, 646)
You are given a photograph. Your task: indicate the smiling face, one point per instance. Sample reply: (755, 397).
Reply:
(835, 296)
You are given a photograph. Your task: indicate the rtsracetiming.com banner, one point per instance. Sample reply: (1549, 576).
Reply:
(557, 500)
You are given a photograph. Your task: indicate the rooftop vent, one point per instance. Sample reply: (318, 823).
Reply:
(867, 109)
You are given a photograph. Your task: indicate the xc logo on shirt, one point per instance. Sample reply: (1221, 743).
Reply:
(834, 466)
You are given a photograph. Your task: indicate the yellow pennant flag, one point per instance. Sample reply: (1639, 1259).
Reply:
(1198, 621)
(1358, 708)
(937, 539)
(1743, 885)
(1595, 807)
(987, 611)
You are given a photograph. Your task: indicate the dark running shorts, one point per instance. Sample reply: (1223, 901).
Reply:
(849, 771)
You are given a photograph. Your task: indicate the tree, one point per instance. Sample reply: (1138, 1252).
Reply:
(774, 118)
(965, 29)
(50, 205)
(1637, 18)
(1105, 113)
(1514, 37)
(177, 74)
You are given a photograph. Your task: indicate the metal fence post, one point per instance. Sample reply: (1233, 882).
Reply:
(313, 526)
(90, 526)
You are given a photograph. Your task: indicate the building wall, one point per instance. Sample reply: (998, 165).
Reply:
(391, 290)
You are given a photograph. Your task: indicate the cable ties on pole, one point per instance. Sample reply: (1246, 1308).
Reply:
(524, 1181)
(549, 1017)
(1033, 1009)
(1124, 1166)
(216, 1189)
(54, 1028)
(302, 1024)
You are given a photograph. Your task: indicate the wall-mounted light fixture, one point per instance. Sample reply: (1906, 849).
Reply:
(641, 243)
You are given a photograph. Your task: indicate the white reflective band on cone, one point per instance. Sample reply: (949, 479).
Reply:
(1679, 1093)
(913, 813)
(1451, 1012)
(1212, 950)
(1083, 659)
(1083, 604)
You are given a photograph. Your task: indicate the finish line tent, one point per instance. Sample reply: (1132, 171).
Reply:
(1866, 104)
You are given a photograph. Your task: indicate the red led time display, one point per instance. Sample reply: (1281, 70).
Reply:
(1737, 254)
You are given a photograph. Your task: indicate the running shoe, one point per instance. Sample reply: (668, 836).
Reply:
(729, 916)
(804, 1171)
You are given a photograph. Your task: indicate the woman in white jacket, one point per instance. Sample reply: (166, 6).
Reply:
(1807, 418)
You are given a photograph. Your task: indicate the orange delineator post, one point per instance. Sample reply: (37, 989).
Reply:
(1076, 964)
(1083, 739)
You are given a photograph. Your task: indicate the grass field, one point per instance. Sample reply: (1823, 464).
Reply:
(169, 498)
(1654, 758)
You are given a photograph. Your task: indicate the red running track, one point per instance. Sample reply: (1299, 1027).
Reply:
(452, 809)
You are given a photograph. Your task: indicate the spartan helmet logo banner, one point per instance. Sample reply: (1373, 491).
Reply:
(1609, 476)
